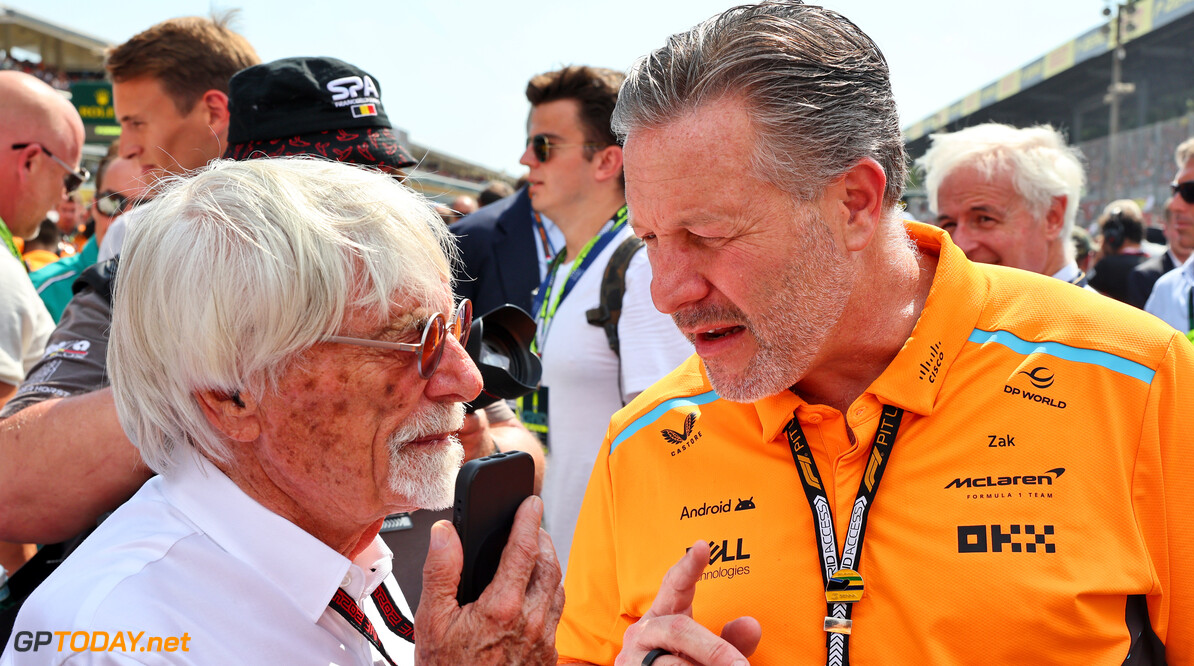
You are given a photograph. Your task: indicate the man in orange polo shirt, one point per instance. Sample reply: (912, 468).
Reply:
(883, 452)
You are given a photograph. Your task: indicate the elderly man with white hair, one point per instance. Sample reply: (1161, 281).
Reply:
(287, 356)
(1008, 196)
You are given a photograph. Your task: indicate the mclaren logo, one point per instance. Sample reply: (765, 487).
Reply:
(1041, 377)
(682, 441)
(1045, 479)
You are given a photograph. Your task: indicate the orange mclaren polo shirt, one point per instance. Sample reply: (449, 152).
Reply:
(1034, 508)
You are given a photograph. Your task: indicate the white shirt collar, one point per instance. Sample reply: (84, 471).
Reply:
(304, 568)
(1068, 273)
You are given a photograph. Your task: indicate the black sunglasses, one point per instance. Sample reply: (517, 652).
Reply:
(73, 179)
(111, 203)
(1185, 190)
(542, 146)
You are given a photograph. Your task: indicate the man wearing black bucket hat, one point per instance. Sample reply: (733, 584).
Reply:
(312, 106)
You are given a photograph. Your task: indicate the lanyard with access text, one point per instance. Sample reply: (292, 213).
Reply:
(545, 305)
(843, 584)
(394, 619)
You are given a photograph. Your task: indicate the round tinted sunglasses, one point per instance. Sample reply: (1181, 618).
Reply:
(542, 146)
(1185, 190)
(431, 348)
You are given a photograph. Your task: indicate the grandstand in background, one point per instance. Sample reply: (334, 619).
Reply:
(1067, 88)
(73, 62)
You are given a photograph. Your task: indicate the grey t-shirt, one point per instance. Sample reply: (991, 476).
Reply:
(75, 358)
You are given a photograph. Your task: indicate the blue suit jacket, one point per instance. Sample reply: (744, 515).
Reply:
(497, 247)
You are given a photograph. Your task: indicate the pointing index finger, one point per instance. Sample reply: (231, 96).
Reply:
(678, 588)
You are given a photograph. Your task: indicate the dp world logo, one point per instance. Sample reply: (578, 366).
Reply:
(1041, 377)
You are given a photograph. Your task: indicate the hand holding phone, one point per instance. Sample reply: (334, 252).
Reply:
(489, 491)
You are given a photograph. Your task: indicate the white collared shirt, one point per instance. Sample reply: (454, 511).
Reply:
(1170, 299)
(191, 554)
(1070, 273)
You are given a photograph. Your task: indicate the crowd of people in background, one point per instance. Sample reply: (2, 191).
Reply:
(247, 352)
(54, 77)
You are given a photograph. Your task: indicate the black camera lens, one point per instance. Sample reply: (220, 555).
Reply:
(499, 343)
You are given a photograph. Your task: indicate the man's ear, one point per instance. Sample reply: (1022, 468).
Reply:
(1055, 218)
(234, 414)
(858, 197)
(25, 161)
(607, 163)
(215, 105)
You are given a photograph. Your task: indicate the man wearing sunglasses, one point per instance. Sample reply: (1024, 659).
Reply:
(41, 140)
(1172, 297)
(575, 178)
(302, 379)
(119, 187)
(1008, 196)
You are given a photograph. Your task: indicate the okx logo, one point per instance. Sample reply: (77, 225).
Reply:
(1015, 538)
(682, 440)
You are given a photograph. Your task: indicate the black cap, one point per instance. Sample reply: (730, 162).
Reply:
(311, 106)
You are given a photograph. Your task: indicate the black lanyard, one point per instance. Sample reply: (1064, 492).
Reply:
(394, 619)
(843, 584)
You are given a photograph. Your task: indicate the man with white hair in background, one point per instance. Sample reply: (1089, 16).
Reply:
(1008, 196)
(301, 378)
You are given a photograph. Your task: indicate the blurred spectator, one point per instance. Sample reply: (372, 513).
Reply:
(70, 215)
(1008, 196)
(1142, 279)
(119, 188)
(1122, 230)
(1172, 297)
(41, 142)
(464, 205)
(1083, 248)
(42, 249)
(494, 191)
(170, 91)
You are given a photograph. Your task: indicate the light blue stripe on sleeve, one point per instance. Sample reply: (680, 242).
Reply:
(663, 408)
(1077, 354)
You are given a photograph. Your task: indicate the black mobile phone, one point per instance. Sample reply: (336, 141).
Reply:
(489, 491)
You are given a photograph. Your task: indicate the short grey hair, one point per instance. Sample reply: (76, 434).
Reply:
(235, 271)
(1040, 163)
(816, 87)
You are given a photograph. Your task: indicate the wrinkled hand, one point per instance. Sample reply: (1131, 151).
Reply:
(474, 436)
(669, 624)
(514, 620)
